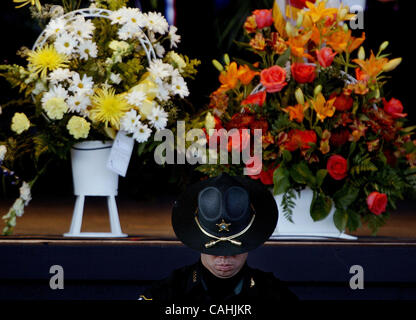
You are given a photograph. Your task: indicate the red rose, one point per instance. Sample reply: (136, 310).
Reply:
(303, 73)
(377, 202)
(266, 176)
(264, 18)
(394, 108)
(273, 78)
(337, 167)
(342, 102)
(339, 137)
(325, 56)
(238, 140)
(299, 139)
(300, 4)
(256, 98)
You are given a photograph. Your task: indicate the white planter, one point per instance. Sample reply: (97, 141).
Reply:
(303, 226)
(91, 177)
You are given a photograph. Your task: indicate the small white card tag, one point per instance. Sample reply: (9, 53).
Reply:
(120, 154)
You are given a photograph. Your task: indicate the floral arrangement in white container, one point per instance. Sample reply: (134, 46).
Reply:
(91, 73)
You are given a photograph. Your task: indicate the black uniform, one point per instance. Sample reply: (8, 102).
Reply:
(196, 284)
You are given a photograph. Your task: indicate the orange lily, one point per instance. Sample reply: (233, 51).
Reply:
(343, 41)
(296, 112)
(229, 78)
(372, 66)
(297, 44)
(323, 108)
(317, 12)
(245, 74)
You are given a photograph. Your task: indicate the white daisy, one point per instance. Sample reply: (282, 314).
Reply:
(82, 28)
(130, 121)
(65, 43)
(87, 49)
(133, 16)
(39, 87)
(120, 16)
(159, 69)
(54, 92)
(179, 87)
(142, 132)
(128, 31)
(156, 22)
(115, 78)
(59, 75)
(25, 194)
(174, 38)
(159, 50)
(158, 118)
(78, 103)
(164, 91)
(81, 86)
(55, 27)
(136, 97)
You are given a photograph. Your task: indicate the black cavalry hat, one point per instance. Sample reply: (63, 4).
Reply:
(225, 215)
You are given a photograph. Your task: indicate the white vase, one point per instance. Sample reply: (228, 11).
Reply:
(91, 177)
(303, 226)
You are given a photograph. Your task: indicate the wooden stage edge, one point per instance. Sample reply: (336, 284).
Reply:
(142, 242)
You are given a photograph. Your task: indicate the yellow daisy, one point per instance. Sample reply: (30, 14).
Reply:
(107, 107)
(31, 2)
(46, 59)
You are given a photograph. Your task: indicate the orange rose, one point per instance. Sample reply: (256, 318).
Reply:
(325, 56)
(273, 78)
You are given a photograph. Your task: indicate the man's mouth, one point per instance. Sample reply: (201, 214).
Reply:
(224, 267)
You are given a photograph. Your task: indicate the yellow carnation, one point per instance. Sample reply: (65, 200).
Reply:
(55, 108)
(20, 122)
(78, 127)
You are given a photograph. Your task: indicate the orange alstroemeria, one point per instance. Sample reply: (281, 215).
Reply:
(372, 66)
(229, 78)
(323, 108)
(245, 74)
(296, 112)
(258, 42)
(319, 11)
(354, 43)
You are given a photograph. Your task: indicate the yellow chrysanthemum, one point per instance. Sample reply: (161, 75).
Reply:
(20, 122)
(46, 59)
(78, 127)
(107, 107)
(31, 2)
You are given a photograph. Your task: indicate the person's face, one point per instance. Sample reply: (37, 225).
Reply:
(224, 266)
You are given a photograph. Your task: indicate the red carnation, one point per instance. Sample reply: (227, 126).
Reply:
(299, 139)
(256, 98)
(264, 18)
(339, 137)
(337, 167)
(303, 73)
(377, 202)
(394, 108)
(343, 102)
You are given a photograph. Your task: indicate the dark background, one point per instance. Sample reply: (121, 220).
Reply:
(208, 29)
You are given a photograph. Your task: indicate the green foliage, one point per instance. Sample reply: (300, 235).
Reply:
(281, 180)
(191, 64)
(111, 4)
(321, 206)
(288, 204)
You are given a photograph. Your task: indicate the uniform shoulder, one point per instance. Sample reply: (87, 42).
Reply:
(165, 289)
(268, 282)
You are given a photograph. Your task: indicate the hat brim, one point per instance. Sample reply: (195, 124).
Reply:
(263, 225)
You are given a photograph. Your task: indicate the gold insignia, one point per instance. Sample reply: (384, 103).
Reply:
(194, 276)
(223, 226)
(142, 297)
(252, 283)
